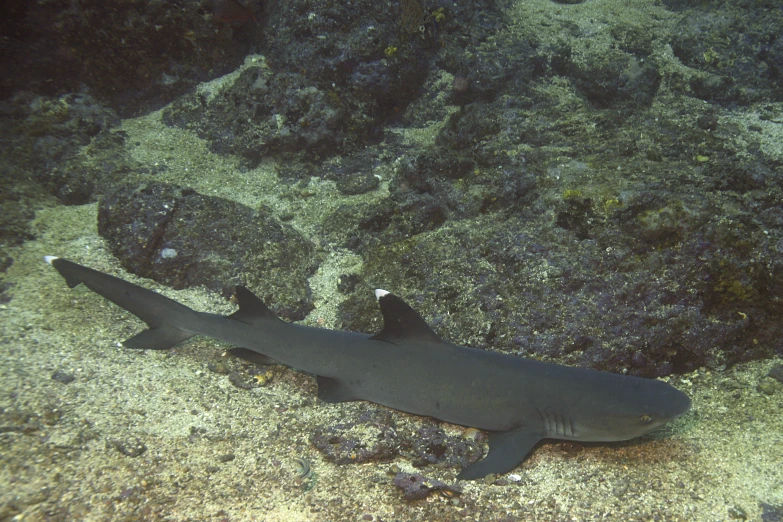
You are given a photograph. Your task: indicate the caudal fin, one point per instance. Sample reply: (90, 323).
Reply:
(166, 318)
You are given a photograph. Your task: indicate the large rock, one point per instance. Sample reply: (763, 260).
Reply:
(181, 238)
(623, 302)
(134, 56)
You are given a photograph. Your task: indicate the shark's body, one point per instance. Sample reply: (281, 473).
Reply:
(408, 367)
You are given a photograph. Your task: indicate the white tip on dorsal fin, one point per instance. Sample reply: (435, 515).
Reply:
(50, 259)
(401, 322)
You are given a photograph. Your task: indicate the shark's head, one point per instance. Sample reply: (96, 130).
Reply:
(622, 408)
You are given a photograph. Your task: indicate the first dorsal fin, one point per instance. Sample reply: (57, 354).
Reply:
(401, 322)
(251, 308)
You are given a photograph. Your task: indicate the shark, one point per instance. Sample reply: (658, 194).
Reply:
(408, 367)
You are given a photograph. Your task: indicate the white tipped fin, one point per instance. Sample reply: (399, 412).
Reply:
(401, 322)
(50, 259)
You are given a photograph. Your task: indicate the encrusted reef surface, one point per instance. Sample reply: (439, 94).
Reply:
(598, 184)
(182, 238)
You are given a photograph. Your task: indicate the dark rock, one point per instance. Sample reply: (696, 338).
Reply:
(357, 226)
(63, 377)
(715, 88)
(740, 69)
(228, 457)
(771, 512)
(417, 487)
(353, 174)
(181, 238)
(15, 218)
(432, 446)
(220, 365)
(313, 97)
(577, 217)
(613, 78)
(359, 312)
(377, 218)
(776, 372)
(472, 281)
(707, 122)
(370, 437)
(240, 381)
(347, 283)
(45, 139)
(131, 447)
(462, 90)
(357, 183)
(51, 49)
(420, 216)
(5, 296)
(5, 263)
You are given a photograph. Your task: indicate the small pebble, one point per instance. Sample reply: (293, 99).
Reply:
(228, 457)
(767, 386)
(131, 447)
(63, 377)
(737, 513)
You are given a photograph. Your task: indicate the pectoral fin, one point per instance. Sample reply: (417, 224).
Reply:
(333, 391)
(251, 356)
(160, 338)
(507, 449)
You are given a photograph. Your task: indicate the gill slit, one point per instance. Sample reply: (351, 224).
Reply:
(557, 425)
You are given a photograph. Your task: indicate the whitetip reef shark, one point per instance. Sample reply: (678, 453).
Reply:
(406, 366)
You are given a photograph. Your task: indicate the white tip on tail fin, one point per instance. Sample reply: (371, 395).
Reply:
(50, 259)
(380, 293)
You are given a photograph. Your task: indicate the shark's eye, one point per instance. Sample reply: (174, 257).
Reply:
(645, 419)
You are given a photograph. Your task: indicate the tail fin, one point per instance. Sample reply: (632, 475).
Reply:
(164, 316)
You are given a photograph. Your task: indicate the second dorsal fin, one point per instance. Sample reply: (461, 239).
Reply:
(401, 322)
(251, 308)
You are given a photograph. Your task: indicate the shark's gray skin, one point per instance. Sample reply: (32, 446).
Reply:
(408, 367)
